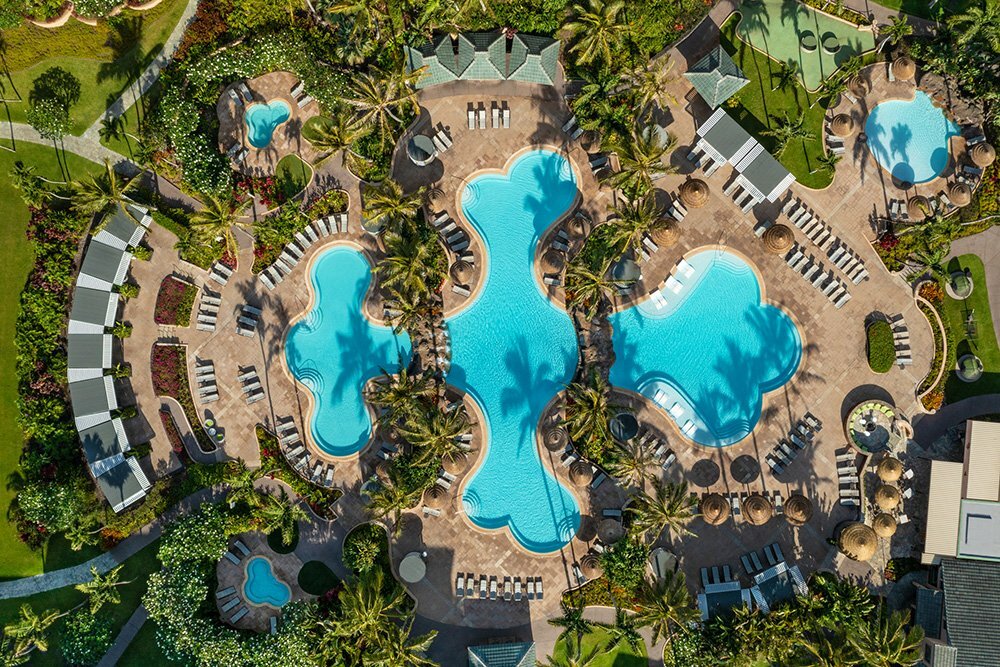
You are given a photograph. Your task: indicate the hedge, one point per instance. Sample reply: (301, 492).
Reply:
(881, 349)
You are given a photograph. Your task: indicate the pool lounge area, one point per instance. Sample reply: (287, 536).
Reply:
(910, 139)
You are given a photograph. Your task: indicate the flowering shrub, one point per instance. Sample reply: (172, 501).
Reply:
(932, 292)
(888, 241)
(320, 499)
(331, 201)
(265, 188)
(86, 637)
(173, 435)
(174, 302)
(933, 400)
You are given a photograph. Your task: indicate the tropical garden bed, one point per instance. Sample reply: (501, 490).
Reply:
(881, 348)
(174, 302)
(320, 499)
(168, 366)
(929, 390)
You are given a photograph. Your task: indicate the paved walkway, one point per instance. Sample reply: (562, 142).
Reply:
(149, 75)
(125, 637)
(928, 428)
(987, 246)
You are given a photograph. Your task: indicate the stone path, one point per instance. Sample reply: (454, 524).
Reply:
(987, 246)
(149, 75)
(125, 637)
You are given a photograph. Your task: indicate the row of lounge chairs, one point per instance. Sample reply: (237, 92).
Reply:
(287, 432)
(752, 565)
(241, 96)
(847, 478)
(466, 586)
(969, 174)
(208, 310)
(783, 453)
(699, 158)
(715, 577)
(672, 283)
(251, 386)
(736, 501)
(454, 236)
(744, 197)
(819, 233)
(298, 93)
(676, 411)
(247, 320)
(571, 128)
(901, 340)
(571, 456)
(661, 451)
(500, 113)
(208, 391)
(220, 273)
(442, 142)
(304, 239)
(234, 556)
(824, 281)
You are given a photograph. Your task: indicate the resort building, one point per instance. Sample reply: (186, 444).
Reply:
(516, 654)
(485, 56)
(716, 77)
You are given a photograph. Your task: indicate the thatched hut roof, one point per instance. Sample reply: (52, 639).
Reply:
(858, 541)
(757, 509)
(556, 439)
(917, 208)
(960, 194)
(382, 470)
(435, 497)
(590, 565)
(798, 509)
(714, 509)
(666, 235)
(904, 68)
(462, 272)
(857, 86)
(610, 531)
(983, 154)
(778, 239)
(887, 497)
(884, 525)
(580, 473)
(694, 193)
(553, 261)
(455, 462)
(889, 469)
(842, 125)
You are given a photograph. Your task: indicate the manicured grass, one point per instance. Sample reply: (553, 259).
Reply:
(316, 578)
(983, 343)
(136, 571)
(292, 175)
(621, 656)
(881, 350)
(756, 106)
(278, 545)
(103, 58)
(16, 560)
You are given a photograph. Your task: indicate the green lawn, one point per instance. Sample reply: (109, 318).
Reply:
(756, 107)
(983, 343)
(16, 560)
(143, 651)
(622, 656)
(136, 571)
(102, 59)
(292, 175)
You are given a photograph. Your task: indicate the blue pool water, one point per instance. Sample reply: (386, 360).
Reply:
(263, 119)
(714, 350)
(910, 139)
(262, 586)
(335, 349)
(513, 351)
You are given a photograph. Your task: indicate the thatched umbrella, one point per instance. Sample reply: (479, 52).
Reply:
(842, 125)
(757, 509)
(666, 235)
(983, 154)
(778, 239)
(918, 207)
(887, 497)
(884, 525)
(581, 474)
(960, 194)
(553, 261)
(694, 193)
(462, 272)
(904, 68)
(590, 565)
(857, 86)
(798, 509)
(382, 470)
(455, 462)
(435, 497)
(556, 439)
(714, 509)
(858, 541)
(889, 469)
(587, 529)
(610, 531)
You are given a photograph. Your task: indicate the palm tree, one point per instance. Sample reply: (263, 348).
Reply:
(216, 221)
(640, 156)
(28, 631)
(665, 604)
(102, 589)
(587, 289)
(434, 432)
(573, 623)
(588, 410)
(831, 88)
(884, 641)
(388, 206)
(633, 463)
(99, 193)
(400, 395)
(400, 649)
(669, 508)
(365, 16)
(595, 30)
(829, 161)
(823, 650)
(575, 657)
(368, 610)
(29, 184)
(81, 532)
(375, 97)
(932, 259)
(977, 24)
(240, 478)
(636, 218)
(337, 134)
(786, 130)
(897, 29)
(409, 267)
(624, 630)
(411, 312)
(650, 84)
(282, 515)
(784, 77)
(391, 498)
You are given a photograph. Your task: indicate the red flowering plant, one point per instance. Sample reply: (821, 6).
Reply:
(888, 241)
(174, 302)
(265, 189)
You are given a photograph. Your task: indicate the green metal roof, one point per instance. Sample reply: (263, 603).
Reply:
(123, 484)
(716, 77)
(484, 56)
(972, 610)
(502, 655)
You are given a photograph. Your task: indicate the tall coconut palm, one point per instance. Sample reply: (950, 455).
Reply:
(636, 218)
(625, 630)
(102, 588)
(831, 88)
(633, 464)
(575, 656)
(595, 30)
(588, 409)
(28, 631)
(829, 161)
(668, 508)
(98, 193)
(932, 259)
(665, 604)
(386, 205)
(897, 30)
(410, 313)
(240, 478)
(399, 648)
(651, 84)
(640, 156)
(410, 266)
(573, 622)
(784, 77)
(29, 184)
(587, 289)
(377, 97)
(82, 531)
(399, 395)
(786, 130)
(367, 610)
(434, 432)
(216, 221)
(282, 515)
(977, 24)
(884, 641)
(390, 498)
(365, 16)
(337, 134)
(818, 649)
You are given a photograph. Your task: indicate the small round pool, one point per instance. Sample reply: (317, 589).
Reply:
(263, 119)
(262, 586)
(909, 139)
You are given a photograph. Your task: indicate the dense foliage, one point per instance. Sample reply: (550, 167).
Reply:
(881, 348)
(168, 366)
(174, 302)
(366, 547)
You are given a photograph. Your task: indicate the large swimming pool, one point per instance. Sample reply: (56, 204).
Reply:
(334, 350)
(910, 138)
(513, 351)
(711, 353)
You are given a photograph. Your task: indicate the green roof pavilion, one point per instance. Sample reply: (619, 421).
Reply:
(502, 655)
(716, 77)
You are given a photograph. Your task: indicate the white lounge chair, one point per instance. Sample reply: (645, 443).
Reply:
(673, 285)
